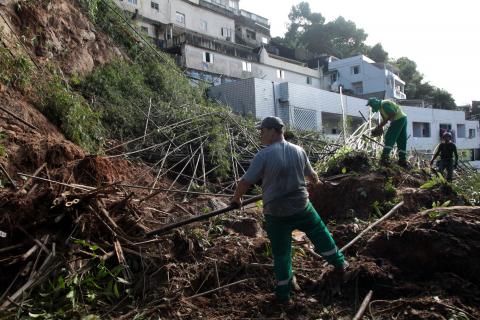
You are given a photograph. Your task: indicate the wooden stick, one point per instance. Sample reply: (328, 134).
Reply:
(148, 118)
(363, 306)
(201, 217)
(8, 176)
(391, 212)
(19, 119)
(74, 186)
(177, 191)
(34, 175)
(217, 289)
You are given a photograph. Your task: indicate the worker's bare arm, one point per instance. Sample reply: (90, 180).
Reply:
(241, 189)
(313, 179)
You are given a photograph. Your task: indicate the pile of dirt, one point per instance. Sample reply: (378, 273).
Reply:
(441, 240)
(352, 196)
(350, 162)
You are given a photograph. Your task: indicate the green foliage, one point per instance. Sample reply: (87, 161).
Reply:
(308, 29)
(69, 292)
(377, 212)
(15, 71)
(267, 250)
(71, 113)
(377, 53)
(433, 215)
(122, 91)
(333, 161)
(3, 150)
(390, 190)
(298, 251)
(435, 181)
(468, 185)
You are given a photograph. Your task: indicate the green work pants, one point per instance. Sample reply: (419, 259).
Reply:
(279, 230)
(396, 133)
(446, 164)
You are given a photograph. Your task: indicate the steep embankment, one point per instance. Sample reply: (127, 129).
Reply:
(74, 244)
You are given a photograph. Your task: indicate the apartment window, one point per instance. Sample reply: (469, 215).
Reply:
(180, 18)
(421, 130)
(231, 4)
(155, 6)
(226, 32)
(471, 134)
(134, 2)
(246, 66)
(461, 131)
(251, 35)
(357, 87)
(208, 57)
(356, 70)
(264, 40)
(309, 80)
(203, 25)
(280, 74)
(333, 77)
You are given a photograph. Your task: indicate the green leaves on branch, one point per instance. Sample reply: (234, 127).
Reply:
(71, 113)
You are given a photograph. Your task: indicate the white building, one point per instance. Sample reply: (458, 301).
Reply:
(309, 108)
(216, 41)
(363, 77)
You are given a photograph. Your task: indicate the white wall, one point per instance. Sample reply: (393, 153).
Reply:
(194, 15)
(301, 96)
(373, 78)
(144, 9)
(232, 67)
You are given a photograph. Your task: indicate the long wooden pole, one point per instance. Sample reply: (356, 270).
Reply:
(201, 217)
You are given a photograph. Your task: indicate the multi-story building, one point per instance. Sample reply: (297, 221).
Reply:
(365, 78)
(216, 41)
(310, 108)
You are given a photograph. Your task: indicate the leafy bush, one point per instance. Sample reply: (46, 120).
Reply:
(3, 150)
(71, 113)
(15, 71)
(468, 185)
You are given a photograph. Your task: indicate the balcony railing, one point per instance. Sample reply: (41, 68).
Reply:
(216, 45)
(400, 95)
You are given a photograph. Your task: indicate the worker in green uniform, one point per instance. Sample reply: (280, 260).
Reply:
(397, 131)
(446, 149)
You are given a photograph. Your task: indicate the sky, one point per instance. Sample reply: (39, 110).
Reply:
(442, 37)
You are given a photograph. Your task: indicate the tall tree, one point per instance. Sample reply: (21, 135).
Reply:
(377, 53)
(339, 37)
(301, 18)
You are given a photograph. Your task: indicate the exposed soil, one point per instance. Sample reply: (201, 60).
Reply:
(420, 264)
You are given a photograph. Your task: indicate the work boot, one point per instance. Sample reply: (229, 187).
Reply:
(404, 164)
(384, 162)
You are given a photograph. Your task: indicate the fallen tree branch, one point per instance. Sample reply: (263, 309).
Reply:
(19, 119)
(8, 176)
(385, 217)
(363, 306)
(201, 217)
(74, 186)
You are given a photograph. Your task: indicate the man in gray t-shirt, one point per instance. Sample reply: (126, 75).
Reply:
(282, 167)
